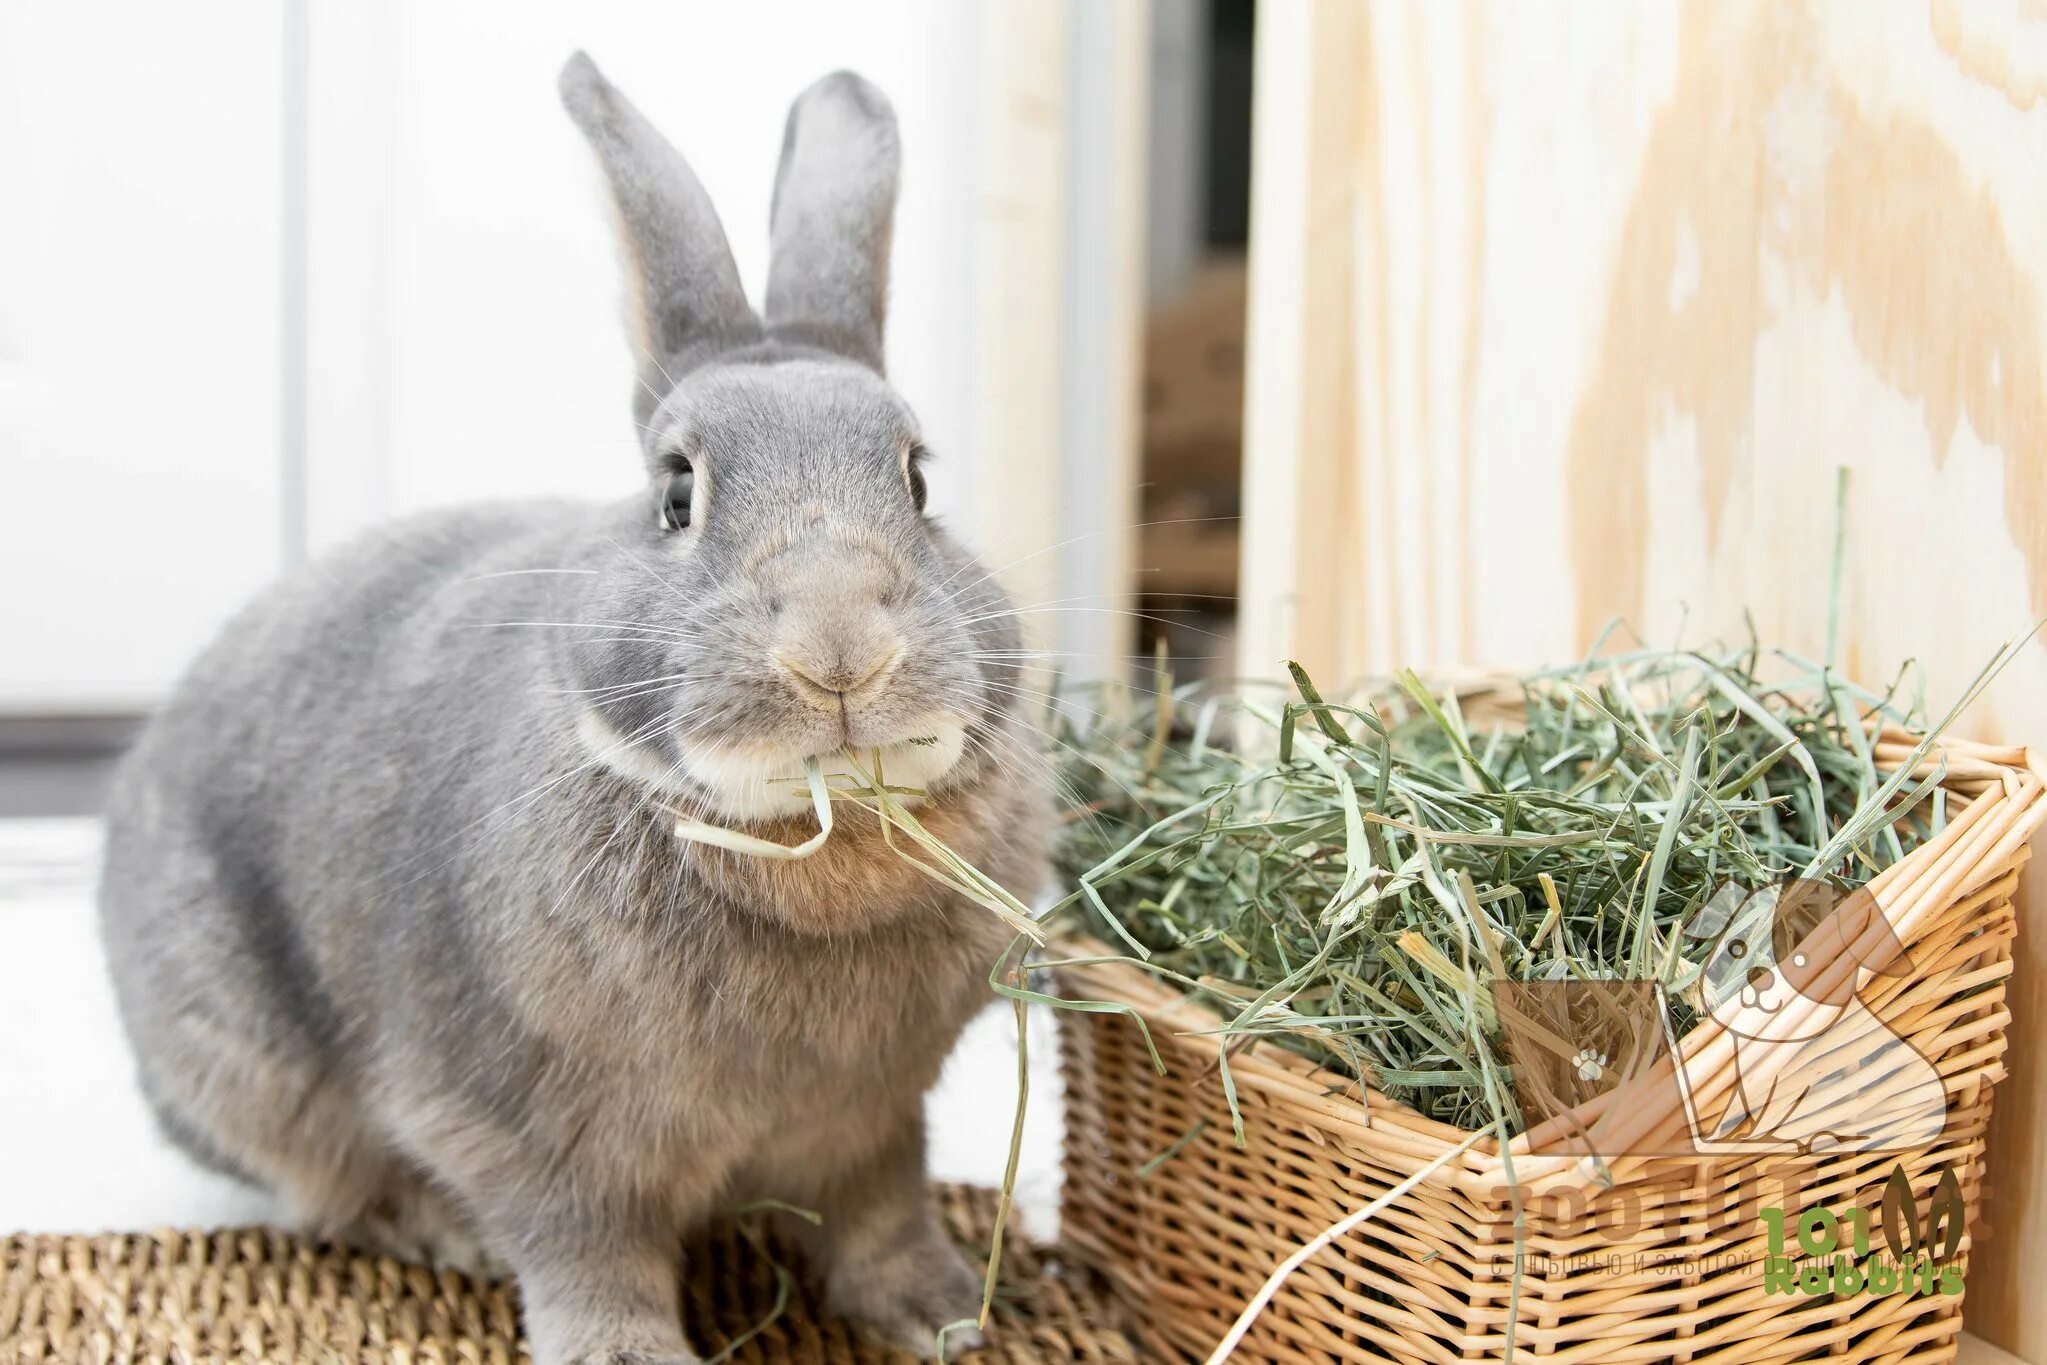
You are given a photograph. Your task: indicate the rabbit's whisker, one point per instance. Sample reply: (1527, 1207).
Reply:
(496, 817)
(521, 573)
(577, 625)
(1017, 612)
(990, 575)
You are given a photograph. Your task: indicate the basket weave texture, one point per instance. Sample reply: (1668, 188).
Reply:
(257, 1294)
(1663, 1264)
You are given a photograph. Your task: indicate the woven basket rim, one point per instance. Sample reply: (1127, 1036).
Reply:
(2003, 794)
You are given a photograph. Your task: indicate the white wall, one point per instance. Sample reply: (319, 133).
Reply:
(455, 291)
(139, 321)
(463, 287)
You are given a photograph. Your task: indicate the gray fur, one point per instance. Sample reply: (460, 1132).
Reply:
(391, 936)
(833, 218)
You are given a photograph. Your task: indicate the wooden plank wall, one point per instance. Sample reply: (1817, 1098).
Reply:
(1563, 311)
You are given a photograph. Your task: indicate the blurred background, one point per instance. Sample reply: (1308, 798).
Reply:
(274, 272)
(1369, 333)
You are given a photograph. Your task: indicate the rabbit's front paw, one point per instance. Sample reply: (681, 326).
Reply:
(908, 1295)
(632, 1358)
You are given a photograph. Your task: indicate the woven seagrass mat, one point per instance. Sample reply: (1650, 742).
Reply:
(257, 1294)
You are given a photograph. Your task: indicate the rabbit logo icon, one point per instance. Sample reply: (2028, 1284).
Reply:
(1781, 971)
(1815, 1068)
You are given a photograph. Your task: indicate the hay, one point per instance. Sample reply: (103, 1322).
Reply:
(1346, 875)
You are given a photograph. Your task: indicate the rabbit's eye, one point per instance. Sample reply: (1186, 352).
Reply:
(675, 497)
(913, 457)
(1737, 949)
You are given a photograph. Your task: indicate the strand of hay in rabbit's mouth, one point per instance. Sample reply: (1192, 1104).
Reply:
(902, 832)
(693, 830)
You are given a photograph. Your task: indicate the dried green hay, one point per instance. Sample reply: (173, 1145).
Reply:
(1346, 876)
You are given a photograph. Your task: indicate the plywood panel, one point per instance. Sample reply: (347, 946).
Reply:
(1622, 287)
(1298, 385)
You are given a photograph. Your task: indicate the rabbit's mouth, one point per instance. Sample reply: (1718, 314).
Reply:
(762, 781)
(758, 780)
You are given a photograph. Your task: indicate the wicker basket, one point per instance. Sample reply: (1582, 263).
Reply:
(262, 1296)
(1665, 1262)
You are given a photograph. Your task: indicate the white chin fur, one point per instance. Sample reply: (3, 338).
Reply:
(762, 781)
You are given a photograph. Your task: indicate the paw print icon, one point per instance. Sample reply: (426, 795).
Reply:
(1590, 1065)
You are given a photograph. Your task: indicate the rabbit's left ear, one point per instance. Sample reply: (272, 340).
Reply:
(833, 218)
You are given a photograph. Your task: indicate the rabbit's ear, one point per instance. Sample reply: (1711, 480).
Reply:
(1710, 920)
(832, 219)
(682, 286)
(1868, 933)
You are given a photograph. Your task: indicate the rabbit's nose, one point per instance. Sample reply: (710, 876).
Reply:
(1759, 977)
(832, 680)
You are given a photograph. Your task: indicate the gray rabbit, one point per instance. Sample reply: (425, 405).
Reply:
(393, 902)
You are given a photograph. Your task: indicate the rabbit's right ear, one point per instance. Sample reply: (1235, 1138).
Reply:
(833, 218)
(1711, 920)
(683, 287)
